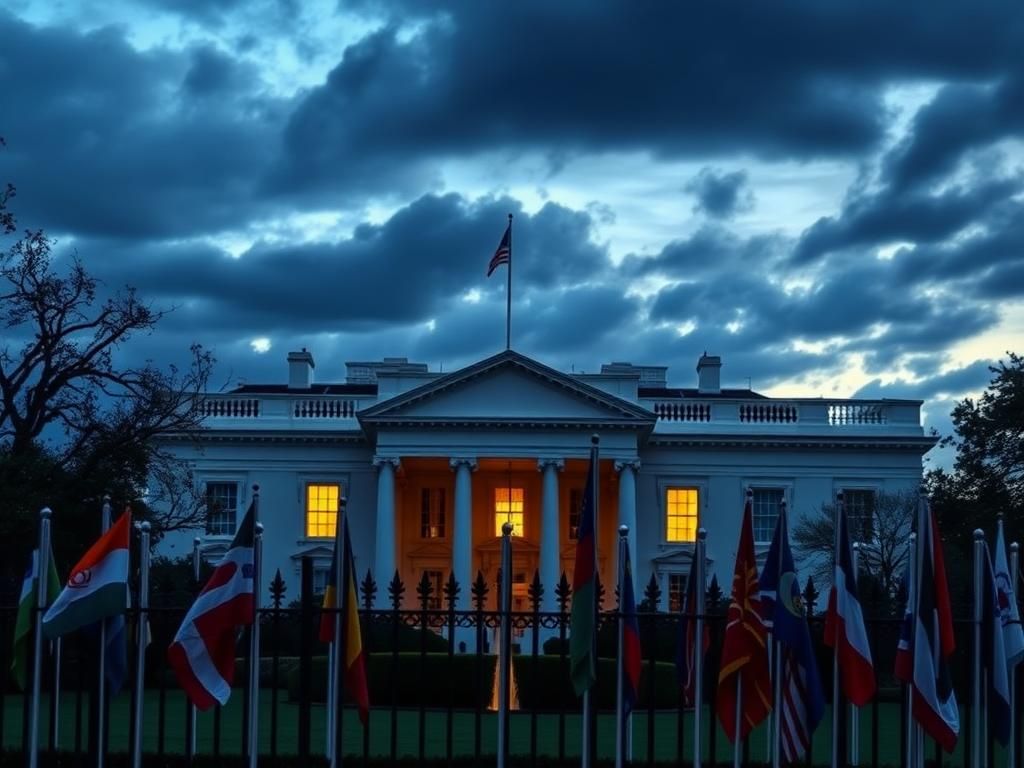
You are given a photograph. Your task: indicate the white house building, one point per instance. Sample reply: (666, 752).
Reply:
(432, 465)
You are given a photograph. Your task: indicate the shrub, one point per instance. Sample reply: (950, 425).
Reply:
(401, 680)
(547, 685)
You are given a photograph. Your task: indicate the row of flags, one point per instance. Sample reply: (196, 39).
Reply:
(202, 654)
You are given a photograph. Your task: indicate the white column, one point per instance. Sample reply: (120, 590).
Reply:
(387, 534)
(550, 528)
(627, 508)
(462, 530)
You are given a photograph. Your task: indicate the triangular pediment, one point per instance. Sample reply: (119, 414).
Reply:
(508, 387)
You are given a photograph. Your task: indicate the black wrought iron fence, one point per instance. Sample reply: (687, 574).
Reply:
(431, 675)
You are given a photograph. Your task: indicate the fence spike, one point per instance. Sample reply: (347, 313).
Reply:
(369, 590)
(451, 590)
(277, 589)
(535, 591)
(479, 591)
(652, 593)
(396, 590)
(424, 590)
(563, 593)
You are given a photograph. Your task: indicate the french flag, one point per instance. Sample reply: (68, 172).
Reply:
(844, 623)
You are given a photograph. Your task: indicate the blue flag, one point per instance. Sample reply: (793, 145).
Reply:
(803, 700)
(115, 654)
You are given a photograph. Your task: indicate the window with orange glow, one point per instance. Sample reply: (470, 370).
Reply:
(506, 510)
(322, 510)
(681, 515)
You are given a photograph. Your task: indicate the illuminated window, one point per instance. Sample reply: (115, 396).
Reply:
(681, 515)
(322, 510)
(676, 591)
(511, 511)
(767, 503)
(575, 508)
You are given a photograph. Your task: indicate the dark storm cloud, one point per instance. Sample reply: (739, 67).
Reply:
(406, 270)
(889, 216)
(719, 194)
(106, 140)
(800, 80)
(970, 378)
(707, 252)
(959, 118)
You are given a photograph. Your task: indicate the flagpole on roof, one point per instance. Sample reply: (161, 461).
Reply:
(42, 593)
(140, 648)
(101, 696)
(836, 719)
(1011, 747)
(508, 292)
(977, 734)
(254, 633)
(698, 644)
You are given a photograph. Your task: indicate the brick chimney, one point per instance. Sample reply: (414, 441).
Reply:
(709, 378)
(300, 369)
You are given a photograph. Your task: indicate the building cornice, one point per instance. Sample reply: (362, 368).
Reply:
(796, 442)
(350, 437)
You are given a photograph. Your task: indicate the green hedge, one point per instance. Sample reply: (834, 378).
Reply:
(547, 686)
(401, 680)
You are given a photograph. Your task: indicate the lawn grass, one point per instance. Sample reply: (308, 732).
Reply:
(667, 727)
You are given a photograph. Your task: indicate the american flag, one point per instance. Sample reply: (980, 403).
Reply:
(504, 253)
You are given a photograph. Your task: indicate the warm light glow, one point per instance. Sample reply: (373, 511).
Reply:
(322, 510)
(681, 515)
(508, 511)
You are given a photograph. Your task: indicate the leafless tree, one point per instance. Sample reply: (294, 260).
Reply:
(883, 543)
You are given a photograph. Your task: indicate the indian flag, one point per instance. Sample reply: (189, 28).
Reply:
(98, 585)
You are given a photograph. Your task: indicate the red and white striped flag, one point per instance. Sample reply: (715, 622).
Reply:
(203, 652)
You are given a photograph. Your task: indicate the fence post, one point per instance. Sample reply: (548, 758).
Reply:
(305, 659)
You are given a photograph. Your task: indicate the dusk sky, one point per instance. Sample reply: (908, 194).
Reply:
(829, 195)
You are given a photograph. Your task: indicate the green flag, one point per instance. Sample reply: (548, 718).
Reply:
(583, 620)
(26, 614)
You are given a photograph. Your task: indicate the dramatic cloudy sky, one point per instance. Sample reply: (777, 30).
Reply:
(829, 195)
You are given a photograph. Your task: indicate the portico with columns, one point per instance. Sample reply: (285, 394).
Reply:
(514, 446)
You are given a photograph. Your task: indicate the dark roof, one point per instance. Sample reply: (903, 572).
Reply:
(316, 389)
(669, 393)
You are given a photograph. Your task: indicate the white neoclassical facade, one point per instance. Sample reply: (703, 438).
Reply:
(432, 464)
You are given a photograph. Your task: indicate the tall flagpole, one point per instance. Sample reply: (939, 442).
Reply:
(101, 697)
(1011, 748)
(505, 640)
(585, 751)
(737, 746)
(254, 635)
(698, 644)
(912, 599)
(620, 667)
(42, 592)
(854, 709)
(191, 706)
(140, 649)
(977, 732)
(508, 291)
(837, 721)
(775, 751)
(336, 687)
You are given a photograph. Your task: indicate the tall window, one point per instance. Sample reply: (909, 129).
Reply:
(322, 509)
(432, 513)
(767, 503)
(676, 591)
(860, 513)
(508, 509)
(575, 508)
(221, 508)
(436, 579)
(681, 514)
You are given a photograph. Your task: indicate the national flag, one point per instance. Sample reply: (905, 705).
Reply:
(97, 587)
(330, 602)
(26, 614)
(504, 253)
(931, 645)
(993, 657)
(803, 699)
(1009, 614)
(115, 653)
(745, 648)
(583, 619)
(355, 658)
(844, 623)
(904, 666)
(686, 648)
(203, 652)
(631, 657)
